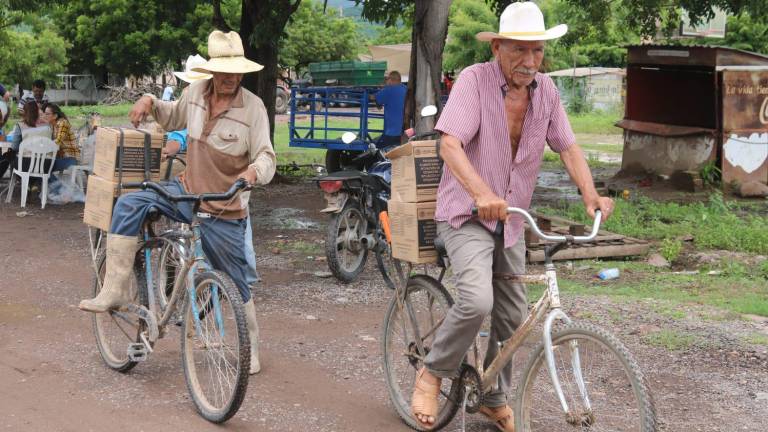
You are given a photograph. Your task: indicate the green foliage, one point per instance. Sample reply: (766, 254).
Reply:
(643, 16)
(313, 35)
(132, 37)
(468, 17)
(672, 340)
(35, 53)
(711, 175)
(595, 122)
(393, 35)
(742, 31)
(670, 249)
(715, 224)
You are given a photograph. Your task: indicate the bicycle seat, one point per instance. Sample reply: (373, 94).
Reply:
(442, 253)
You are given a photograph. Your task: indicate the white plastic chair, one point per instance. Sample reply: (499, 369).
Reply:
(39, 150)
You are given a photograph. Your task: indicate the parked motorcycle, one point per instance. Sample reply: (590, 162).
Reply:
(357, 202)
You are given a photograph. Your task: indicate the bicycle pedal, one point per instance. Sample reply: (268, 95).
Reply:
(137, 352)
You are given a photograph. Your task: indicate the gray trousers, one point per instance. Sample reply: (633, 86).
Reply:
(475, 254)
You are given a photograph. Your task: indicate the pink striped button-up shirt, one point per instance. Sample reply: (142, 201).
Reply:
(475, 115)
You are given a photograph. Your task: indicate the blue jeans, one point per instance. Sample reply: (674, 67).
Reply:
(223, 240)
(250, 253)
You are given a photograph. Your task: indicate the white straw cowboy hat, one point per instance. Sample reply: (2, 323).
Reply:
(189, 75)
(523, 21)
(226, 55)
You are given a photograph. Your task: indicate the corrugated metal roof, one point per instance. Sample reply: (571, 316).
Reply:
(581, 72)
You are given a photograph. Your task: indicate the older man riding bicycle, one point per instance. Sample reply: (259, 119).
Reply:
(494, 127)
(228, 134)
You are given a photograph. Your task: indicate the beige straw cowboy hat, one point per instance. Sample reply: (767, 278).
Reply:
(226, 55)
(523, 21)
(189, 75)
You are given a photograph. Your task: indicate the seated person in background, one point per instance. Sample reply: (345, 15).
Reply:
(68, 153)
(392, 98)
(30, 124)
(38, 95)
(4, 93)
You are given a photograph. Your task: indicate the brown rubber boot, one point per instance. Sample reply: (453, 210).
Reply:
(253, 335)
(115, 291)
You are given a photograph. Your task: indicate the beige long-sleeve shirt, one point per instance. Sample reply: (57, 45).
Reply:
(220, 148)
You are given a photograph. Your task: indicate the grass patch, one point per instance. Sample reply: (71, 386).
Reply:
(715, 224)
(669, 310)
(301, 155)
(756, 339)
(615, 149)
(306, 247)
(735, 294)
(596, 122)
(671, 340)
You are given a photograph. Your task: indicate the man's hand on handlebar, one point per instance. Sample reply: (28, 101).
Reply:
(249, 175)
(604, 204)
(491, 207)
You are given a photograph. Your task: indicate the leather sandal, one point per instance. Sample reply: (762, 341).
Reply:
(424, 400)
(502, 417)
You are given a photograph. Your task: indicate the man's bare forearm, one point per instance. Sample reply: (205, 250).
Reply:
(576, 165)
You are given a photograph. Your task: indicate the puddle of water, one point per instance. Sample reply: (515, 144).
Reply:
(286, 218)
(554, 186)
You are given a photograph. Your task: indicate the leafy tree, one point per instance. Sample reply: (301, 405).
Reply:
(314, 35)
(644, 16)
(392, 35)
(32, 55)
(430, 28)
(742, 32)
(468, 17)
(132, 36)
(262, 25)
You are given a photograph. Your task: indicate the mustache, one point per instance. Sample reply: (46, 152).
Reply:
(525, 71)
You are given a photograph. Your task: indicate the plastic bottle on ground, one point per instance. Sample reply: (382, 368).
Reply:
(607, 274)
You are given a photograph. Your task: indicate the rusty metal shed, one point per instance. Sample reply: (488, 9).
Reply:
(687, 106)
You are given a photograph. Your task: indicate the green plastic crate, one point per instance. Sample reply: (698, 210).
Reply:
(351, 72)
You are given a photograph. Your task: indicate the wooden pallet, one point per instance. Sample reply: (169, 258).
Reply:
(606, 244)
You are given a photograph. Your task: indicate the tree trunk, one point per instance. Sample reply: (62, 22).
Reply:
(430, 27)
(262, 24)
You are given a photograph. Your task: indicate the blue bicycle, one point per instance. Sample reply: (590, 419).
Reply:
(173, 284)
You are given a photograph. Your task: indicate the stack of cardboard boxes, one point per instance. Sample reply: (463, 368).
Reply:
(416, 171)
(121, 155)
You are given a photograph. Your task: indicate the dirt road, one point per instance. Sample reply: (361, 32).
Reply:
(320, 342)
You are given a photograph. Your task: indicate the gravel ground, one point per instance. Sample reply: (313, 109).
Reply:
(320, 341)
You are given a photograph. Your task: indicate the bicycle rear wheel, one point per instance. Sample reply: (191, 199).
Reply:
(402, 357)
(216, 356)
(115, 330)
(619, 399)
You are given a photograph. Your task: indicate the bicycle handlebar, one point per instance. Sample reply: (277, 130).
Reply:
(558, 238)
(240, 184)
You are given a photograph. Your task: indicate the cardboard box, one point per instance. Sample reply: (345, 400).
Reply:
(416, 171)
(99, 200)
(413, 231)
(111, 145)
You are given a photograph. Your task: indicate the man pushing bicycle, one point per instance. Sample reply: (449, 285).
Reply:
(494, 127)
(228, 139)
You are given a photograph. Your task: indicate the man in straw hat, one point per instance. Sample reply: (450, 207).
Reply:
(228, 138)
(494, 128)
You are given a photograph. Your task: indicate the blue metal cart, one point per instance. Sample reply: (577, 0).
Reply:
(313, 106)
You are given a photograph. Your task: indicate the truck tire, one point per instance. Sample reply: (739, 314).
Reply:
(281, 101)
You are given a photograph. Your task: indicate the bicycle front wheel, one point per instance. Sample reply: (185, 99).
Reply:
(423, 309)
(618, 396)
(215, 347)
